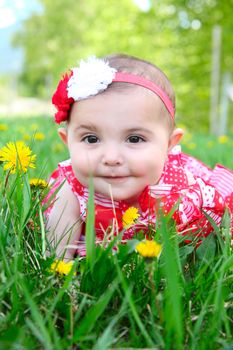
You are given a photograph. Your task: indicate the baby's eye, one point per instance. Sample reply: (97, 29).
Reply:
(90, 139)
(135, 139)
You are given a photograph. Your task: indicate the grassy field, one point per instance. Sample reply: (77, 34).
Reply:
(183, 300)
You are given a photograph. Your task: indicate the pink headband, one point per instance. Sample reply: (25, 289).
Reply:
(138, 80)
(94, 76)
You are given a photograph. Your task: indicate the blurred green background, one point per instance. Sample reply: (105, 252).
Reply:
(176, 35)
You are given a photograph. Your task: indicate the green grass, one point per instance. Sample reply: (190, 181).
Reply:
(184, 300)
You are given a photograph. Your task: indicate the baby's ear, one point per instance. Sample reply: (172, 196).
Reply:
(62, 132)
(175, 137)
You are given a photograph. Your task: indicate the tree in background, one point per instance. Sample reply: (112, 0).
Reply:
(175, 35)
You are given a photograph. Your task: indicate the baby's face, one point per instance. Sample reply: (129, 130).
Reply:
(116, 138)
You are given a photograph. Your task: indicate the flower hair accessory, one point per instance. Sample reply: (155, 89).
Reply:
(90, 78)
(93, 76)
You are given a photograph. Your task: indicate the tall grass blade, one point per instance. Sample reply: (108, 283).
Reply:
(107, 338)
(44, 337)
(92, 315)
(132, 306)
(43, 237)
(61, 291)
(90, 233)
(173, 275)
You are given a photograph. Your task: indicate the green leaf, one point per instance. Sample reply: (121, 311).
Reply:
(185, 251)
(206, 250)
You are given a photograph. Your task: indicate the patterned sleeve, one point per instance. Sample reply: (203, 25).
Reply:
(195, 205)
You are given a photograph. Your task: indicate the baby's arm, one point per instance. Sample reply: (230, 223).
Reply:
(64, 224)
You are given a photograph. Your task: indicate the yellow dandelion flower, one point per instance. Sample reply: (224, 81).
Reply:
(61, 267)
(3, 127)
(149, 249)
(16, 155)
(39, 136)
(223, 139)
(38, 183)
(130, 216)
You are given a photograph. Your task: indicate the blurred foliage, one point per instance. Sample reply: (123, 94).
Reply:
(174, 34)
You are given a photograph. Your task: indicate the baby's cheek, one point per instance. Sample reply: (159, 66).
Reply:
(82, 164)
(83, 170)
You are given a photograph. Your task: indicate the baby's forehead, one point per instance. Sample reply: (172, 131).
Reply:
(119, 98)
(134, 92)
(129, 94)
(129, 107)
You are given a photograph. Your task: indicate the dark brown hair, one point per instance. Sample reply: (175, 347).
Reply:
(129, 64)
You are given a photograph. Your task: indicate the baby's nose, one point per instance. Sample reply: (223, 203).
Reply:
(112, 156)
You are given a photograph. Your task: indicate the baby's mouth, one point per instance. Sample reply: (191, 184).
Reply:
(115, 178)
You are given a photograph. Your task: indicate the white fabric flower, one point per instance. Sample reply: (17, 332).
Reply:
(91, 77)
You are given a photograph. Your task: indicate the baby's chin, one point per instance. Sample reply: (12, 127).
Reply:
(115, 192)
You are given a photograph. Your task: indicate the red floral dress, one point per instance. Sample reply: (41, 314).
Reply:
(210, 192)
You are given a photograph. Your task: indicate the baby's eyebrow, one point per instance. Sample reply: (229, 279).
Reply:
(139, 129)
(90, 127)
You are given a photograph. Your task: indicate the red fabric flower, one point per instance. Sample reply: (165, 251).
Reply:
(61, 100)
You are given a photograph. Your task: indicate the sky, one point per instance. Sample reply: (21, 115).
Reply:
(12, 14)
(15, 11)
